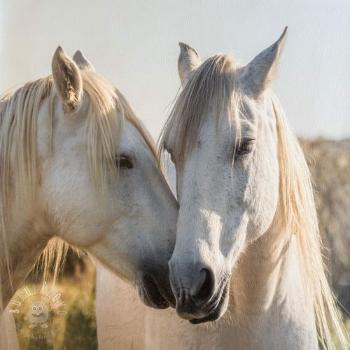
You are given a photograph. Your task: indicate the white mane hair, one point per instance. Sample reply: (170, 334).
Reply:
(211, 88)
(19, 161)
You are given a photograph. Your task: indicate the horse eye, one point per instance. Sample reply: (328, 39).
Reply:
(246, 146)
(124, 162)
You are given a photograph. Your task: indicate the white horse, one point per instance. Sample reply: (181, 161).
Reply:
(114, 297)
(77, 164)
(247, 234)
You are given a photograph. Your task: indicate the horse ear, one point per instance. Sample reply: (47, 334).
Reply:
(82, 62)
(187, 63)
(257, 75)
(67, 80)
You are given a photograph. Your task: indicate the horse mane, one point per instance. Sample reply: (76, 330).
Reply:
(211, 88)
(107, 110)
(299, 216)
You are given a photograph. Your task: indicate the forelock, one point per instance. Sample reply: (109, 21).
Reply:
(211, 88)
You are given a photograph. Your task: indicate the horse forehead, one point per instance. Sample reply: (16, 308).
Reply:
(132, 140)
(130, 137)
(254, 115)
(257, 109)
(250, 110)
(224, 127)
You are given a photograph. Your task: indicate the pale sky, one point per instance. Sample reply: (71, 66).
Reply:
(134, 44)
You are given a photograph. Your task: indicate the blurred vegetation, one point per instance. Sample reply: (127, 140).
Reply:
(329, 163)
(72, 323)
(76, 329)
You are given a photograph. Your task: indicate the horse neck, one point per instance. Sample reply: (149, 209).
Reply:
(27, 234)
(267, 294)
(261, 270)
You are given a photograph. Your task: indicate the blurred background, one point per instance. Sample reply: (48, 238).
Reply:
(134, 44)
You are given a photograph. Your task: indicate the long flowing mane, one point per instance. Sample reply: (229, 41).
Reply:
(212, 89)
(299, 215)
(107, 110)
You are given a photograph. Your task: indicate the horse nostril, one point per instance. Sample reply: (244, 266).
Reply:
(206, 289)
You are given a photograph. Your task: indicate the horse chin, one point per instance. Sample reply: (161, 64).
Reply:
(152, 295)
(218, 311)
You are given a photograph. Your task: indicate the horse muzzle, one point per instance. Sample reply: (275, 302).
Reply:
(153, 293)
(199, 310)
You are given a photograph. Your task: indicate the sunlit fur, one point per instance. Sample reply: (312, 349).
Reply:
(19, 167)
(210, 89)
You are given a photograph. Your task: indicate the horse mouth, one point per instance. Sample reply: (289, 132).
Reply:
(215, 312)
(152, 294)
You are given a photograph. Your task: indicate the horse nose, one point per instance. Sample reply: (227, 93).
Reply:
(193, 289)
(205, 287)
